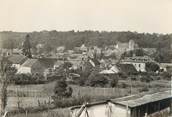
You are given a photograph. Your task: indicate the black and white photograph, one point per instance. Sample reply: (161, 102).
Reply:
(85, 58)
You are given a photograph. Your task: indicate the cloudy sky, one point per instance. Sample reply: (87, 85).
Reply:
(62, 15)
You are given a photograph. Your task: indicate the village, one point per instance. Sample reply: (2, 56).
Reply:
(122, 79)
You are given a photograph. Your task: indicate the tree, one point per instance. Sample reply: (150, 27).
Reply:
(152, 67)
(27, 47)
(4, 80)
(97, 80)
(113, 80)
(139, 52)
(62, 90)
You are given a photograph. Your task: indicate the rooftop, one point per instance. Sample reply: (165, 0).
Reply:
(134, 100)
(137, 100)
(17, 59)
(138, 59)
(29, 62)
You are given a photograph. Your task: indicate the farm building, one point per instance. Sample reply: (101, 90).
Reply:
(142, 105)
(139, 62)
(39, 66)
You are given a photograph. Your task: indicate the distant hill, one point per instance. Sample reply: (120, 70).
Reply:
(71, 39)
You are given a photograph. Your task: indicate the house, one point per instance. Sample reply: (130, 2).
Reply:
(141, 105)
(128, 46)
(81, 49)
(113, 70)
(17, 60)
(36, 66)
(60, 49)
(76, 63)
(58, 63)
(149, 51)
(88, 64)
(139, 62)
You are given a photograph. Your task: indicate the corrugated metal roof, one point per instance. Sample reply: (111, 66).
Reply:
(133, 100)
(137, 100)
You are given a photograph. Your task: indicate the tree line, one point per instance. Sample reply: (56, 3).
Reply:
(71, 39)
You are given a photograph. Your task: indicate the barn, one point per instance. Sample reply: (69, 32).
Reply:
(142, 105)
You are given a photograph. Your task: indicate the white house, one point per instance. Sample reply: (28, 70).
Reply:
(139, 62)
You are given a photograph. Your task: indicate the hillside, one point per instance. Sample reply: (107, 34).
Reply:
(72, 39)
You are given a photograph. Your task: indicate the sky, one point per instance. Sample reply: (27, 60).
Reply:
(153, 16)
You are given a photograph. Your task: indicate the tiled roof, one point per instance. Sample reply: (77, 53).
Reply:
(17, 59)
(29, 62)
(47, 62)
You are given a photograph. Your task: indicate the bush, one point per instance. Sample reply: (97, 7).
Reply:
(152, 67)
(28, 79)
(97, 81)
(62, 90)
(113, 80)
(123, 85)
(166, 76)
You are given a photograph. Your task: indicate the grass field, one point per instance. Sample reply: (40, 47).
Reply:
(51, 113)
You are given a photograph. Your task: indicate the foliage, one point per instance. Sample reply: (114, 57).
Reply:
(163, 55)
(62, 90)
(27, 47)
(166, 75)
(5, 73)
(113, 80)
(99, 80)
(71, 39)
(152, 67)
(28, 79)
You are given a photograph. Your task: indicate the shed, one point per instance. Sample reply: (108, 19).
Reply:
(140, 105)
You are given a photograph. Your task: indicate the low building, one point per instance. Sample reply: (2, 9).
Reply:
(141, 105)
(36, 66)
(17, 60)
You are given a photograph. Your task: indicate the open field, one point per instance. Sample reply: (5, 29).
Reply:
(51, 113)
